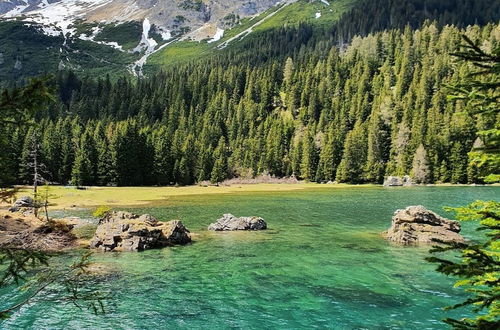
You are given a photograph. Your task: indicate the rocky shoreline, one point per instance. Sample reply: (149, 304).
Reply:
(125, 231)
(116, 231)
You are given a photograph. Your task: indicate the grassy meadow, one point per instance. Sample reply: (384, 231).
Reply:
(69, 197)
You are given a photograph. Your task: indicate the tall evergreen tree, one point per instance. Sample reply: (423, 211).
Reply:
(352, 165)
(84, 169)
(220, 170)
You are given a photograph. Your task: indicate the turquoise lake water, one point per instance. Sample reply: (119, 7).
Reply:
(322, 264)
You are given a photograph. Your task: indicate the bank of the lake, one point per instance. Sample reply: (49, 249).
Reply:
(322, 263)
(62, 197)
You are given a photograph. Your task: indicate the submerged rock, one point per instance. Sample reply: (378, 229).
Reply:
(417, 225)
(22, 204)
(124, 231)
(397, 181)
(229, 222)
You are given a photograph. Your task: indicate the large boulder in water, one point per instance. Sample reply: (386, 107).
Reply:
(22, 204)
(417, 225)
(229, 222)
(124, 231)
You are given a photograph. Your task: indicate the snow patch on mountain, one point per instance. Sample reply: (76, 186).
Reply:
(17, 10)
(146, 43)
(218, 35)
(165, 34)
(50, 31)
(60, 15)
(95, 31)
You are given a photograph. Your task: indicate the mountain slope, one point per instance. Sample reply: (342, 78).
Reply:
(165, 14)
(66, 29)
(88, 36)
(317, 13)
(123, 36)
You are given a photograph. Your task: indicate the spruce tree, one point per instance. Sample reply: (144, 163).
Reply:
(353, 161)
(84, 168)
(420, 170)
(220, 169)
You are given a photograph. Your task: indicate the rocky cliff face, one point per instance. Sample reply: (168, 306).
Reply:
(169, 16)
(173, 13)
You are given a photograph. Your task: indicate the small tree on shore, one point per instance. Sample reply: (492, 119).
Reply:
(43, 201)
(33, 166)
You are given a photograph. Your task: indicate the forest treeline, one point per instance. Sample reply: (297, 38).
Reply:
(369, 16)
(377, 107)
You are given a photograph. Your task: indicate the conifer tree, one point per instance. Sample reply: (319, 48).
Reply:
(478, 267)
(288, 71)
(420, 169)
(326, 166)
(104, 171)
(377, 150)
(309, 157)
(220, 170)
(163, 158)
(353, 161)
(84, 168)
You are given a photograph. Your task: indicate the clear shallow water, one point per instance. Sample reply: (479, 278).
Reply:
(322, 264)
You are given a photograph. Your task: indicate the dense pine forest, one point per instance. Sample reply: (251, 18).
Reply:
(353, 114)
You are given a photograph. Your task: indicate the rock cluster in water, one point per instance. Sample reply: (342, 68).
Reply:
(124, 231)
(417, 225)
(229, 223)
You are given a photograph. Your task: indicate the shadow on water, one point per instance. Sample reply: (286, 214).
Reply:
(360, 296)
(357, 247)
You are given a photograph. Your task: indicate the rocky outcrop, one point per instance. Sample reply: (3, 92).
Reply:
(397, 181)
(229, 222)
(417, 225)
(124, 231)
(22, 204)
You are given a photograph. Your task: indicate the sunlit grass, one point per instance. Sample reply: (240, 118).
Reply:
(68, 197)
